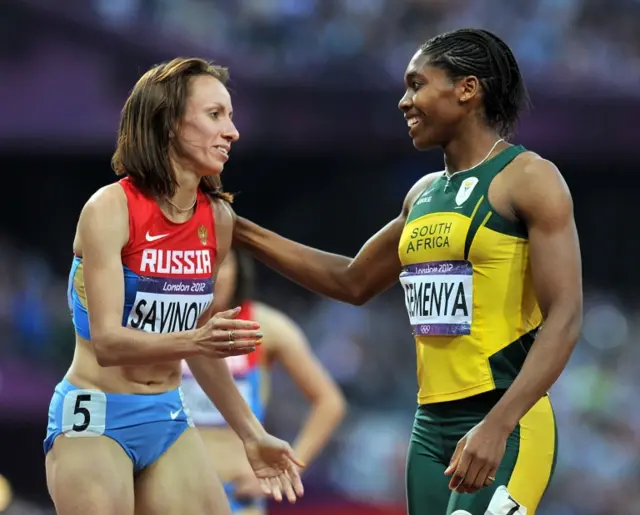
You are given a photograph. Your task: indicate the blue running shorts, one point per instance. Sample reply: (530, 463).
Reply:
(145, 426)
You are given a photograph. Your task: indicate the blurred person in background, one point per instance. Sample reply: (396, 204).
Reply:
(485, 251)
(147, 249)
(6, 493)
(283, 342)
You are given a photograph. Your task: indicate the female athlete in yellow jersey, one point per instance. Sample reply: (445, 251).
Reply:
(486, 251)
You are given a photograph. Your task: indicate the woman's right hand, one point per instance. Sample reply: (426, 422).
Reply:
(223, 335)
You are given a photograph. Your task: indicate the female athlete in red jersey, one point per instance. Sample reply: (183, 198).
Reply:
(119, 440)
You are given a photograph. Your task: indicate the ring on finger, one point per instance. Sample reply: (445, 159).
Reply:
(490, 479)
(232, 340)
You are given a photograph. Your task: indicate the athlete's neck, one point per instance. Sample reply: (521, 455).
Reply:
(180, 206)
(470, 148)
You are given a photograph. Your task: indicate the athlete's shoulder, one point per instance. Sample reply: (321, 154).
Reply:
(104, 217)
(222, 211)
(537, 187)
(532, 170)
(528, 166)
(109, 199)
(418, 188)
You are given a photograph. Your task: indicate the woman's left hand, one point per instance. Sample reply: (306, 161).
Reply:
(276, 467)
(478, 455)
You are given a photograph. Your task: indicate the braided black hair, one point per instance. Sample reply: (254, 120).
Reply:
(478, 52)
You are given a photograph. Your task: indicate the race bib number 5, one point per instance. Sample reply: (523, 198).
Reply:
(439, 297)
(84, 413)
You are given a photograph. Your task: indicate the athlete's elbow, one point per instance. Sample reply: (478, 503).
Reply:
(105, 350)
(358, 298)
(105, 357)
(341, 283)
(338, 408)
(362, 295)
(573, 325)
(357, 294)
(359, 289)
(333, 405)
(568, 323)
(342, 291)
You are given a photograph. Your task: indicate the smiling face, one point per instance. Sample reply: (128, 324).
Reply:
(206, 130)
(434, 104)
(178, 118)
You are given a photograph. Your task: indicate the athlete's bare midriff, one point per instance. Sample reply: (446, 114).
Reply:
(86, 372)
(226, 451)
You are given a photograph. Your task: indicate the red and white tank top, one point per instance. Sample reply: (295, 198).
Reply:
(168, 266)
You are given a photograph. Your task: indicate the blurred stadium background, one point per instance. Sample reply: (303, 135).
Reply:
(324, 158)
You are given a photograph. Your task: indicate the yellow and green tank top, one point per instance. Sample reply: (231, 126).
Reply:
(467, 285)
